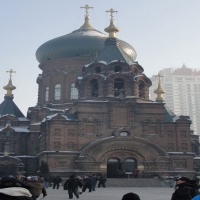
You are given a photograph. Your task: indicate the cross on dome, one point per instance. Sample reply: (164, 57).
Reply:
(86, 24)
(111, 29)
(11, 72)
(159, 76)
(111, 11)
(86, 7)
(10, 87)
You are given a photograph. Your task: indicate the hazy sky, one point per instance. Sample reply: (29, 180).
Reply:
(164, 33)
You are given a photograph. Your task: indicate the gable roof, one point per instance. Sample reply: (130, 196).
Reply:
(9, 107)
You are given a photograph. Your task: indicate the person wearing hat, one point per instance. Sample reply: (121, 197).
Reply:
(131, 196)
(186, 189)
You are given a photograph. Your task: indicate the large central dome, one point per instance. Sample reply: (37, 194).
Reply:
(85, 41)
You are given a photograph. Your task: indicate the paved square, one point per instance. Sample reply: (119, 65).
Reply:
(113, 193)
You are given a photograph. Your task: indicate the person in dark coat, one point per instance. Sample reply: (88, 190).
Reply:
(102, 181)
(87, 184)
(186, 189)
(94, 181)
(56, 182)
(12, 189)
(72, 186)
(131, 196)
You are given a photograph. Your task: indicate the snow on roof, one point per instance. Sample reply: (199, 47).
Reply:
(87, 65)
(23, 119)
(113, 61)
(22, 156)
(103, 62)
(49, 117)
(36, 124)
(180, 152)
(8, 115)
(94, 100)
(176, 118)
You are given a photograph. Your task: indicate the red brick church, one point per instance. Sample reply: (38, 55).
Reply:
(93, 113)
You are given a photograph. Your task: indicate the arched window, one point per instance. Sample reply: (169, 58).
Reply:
(118, 87)
(94, 88)
(142, 89)
(74, 91)
(117, 68)
(57, 94)
(98, 69)
(6, 147)
(47, 94)
(8, 122)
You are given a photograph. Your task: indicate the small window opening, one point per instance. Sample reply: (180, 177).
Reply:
(117, 68)
(94, 88)
(119, 87)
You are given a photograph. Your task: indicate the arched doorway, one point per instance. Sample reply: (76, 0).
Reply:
(119, 169)
(129, 164)
(113, 165)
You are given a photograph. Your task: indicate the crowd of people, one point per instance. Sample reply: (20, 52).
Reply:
(21, 187)
(31, 187)
(76, 185)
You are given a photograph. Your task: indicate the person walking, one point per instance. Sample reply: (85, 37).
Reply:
(102, 181)
(87, 184)
(56, 182)
(46, 181)
(72, 186)
(94, 181)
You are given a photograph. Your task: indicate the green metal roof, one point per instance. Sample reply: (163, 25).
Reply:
(81, 42)
(117, 50)
(8, 107)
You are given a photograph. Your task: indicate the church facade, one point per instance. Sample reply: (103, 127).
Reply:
(94, 114)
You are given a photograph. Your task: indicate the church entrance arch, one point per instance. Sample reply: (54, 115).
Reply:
(117, 168)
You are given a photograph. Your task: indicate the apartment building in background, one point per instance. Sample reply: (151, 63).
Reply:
(182, 92)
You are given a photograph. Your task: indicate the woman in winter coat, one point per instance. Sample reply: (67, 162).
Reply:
(36, 187)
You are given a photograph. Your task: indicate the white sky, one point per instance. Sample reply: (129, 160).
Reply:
(164, 33)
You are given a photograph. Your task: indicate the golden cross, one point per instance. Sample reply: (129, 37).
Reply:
(111, 11)
(11, 72)
(159, 76)
(6, 153)
(86, 7)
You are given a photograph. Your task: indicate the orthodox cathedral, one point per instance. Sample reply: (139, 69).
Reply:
(93, 114)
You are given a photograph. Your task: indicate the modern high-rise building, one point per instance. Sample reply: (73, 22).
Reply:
(182, 92)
